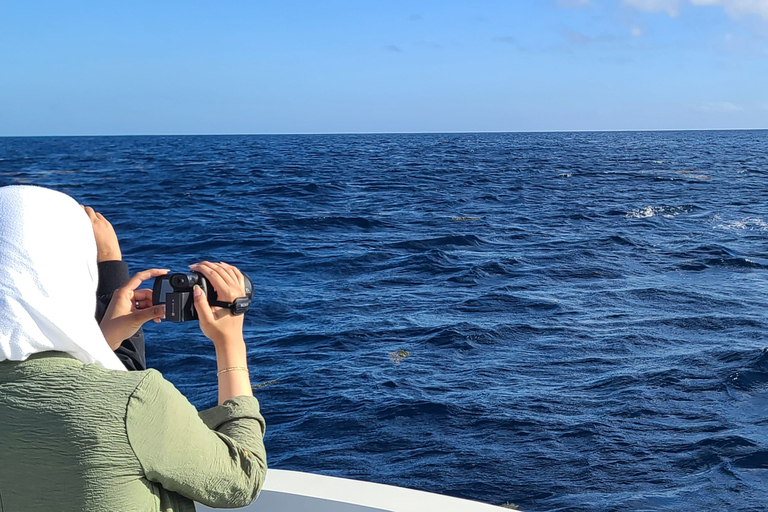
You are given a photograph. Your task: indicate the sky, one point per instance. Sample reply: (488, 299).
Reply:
(344, 66)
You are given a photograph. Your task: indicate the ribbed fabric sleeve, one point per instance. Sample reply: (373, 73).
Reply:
(180, 450)
(112, 275)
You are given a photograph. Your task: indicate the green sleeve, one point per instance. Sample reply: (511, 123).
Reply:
(216, 458)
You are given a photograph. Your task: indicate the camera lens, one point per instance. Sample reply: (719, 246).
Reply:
(179, 281)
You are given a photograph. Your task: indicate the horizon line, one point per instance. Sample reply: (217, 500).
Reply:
(628, 130)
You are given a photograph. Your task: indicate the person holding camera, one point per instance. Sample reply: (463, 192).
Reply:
(77, 431)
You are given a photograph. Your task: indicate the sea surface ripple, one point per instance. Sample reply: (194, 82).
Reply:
(563, 321)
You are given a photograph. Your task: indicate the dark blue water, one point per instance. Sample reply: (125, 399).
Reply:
(564, 321)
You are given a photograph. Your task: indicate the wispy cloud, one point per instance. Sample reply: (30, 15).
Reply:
(578, 38)
(573, 4)
(671, 7)
(735, 8)
(510, 41)
(738, 8)
(429, 44)
(506, 40)
(636, 31)
(744, 44)
(720, 106)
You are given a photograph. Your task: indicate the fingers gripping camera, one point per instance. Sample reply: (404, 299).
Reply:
(176, 292)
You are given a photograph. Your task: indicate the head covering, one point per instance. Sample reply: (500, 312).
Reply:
(48, 278)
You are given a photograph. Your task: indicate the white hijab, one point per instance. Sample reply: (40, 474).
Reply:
(48, 278)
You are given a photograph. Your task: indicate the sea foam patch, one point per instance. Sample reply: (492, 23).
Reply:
(668, 212)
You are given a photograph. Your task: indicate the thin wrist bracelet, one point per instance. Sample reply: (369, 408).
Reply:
(232, 369)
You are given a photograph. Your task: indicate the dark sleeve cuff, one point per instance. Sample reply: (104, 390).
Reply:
(112, 275)
(131, 352)
(235, 408)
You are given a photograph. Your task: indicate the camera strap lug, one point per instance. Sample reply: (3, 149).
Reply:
(238, 307)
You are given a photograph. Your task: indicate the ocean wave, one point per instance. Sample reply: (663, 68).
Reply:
(490, 270)
(332, 222)
(735, 263)
(506, 302)
(309, 189)
(428, 263)
(462, 337)
(754, 377)
(713, 451)
(418, 408)
(708, 256)
(756, 460)
(442, 242)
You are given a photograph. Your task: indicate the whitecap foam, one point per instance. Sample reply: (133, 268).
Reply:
(747, 224)
(644, 213)
(667, 212)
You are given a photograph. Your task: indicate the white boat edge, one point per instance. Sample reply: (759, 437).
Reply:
(294, 491)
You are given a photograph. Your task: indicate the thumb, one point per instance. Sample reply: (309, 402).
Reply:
(153, 313)
(204, 311)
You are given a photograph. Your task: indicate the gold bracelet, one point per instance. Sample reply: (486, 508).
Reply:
(231, 369)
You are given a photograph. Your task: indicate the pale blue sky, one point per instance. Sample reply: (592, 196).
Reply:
(173, 67)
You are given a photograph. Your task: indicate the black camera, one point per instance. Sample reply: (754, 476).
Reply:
(176, 292)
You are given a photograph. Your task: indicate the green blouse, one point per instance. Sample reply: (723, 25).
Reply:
(77, 437)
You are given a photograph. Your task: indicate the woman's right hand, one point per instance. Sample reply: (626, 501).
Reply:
(219, 324)
(224, 328)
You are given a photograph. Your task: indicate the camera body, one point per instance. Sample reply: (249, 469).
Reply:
(176, 292)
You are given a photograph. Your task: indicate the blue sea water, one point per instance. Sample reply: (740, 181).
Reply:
(563, 321)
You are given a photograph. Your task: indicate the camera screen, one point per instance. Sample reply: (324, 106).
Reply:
(165, 289)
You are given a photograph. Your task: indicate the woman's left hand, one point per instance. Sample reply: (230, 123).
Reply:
(107, 246)
(130, 309)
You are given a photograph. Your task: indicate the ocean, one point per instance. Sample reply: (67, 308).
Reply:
(563, 321)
